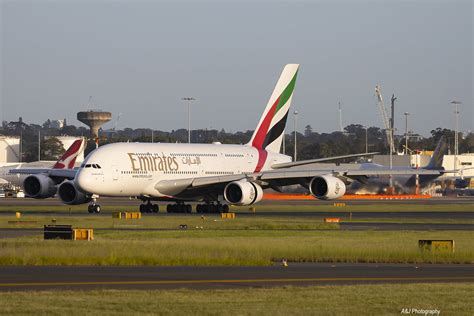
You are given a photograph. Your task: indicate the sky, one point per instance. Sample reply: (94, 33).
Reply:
(139, 58)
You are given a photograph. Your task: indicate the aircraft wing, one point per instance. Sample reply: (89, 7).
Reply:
(276, 178)
(273, 178)
(310, 161)
(57, 173)
(29, 171)
(395, 172)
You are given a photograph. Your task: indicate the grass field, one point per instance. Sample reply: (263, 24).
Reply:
(235, 247)
(387, 299)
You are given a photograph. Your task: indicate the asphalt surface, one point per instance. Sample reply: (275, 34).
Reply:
(135, 202)
(14, 278)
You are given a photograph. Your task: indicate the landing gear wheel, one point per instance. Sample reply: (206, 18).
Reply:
(225, 208)
(94, 208)
(142, 208)
(155, 208)
(149, 208)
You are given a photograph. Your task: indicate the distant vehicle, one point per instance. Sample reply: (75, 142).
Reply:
(36, 182)
(2, 193)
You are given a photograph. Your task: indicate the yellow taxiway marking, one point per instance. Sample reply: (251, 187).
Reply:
(172, 282)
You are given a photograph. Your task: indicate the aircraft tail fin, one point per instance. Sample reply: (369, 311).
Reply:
(269, 132)
(436, 161)
(68, 159)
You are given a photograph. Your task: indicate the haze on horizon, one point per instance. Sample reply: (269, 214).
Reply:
(139, 58)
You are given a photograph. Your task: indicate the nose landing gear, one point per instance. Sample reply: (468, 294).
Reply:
(94, 207)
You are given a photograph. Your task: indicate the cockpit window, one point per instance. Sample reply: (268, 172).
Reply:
(98, 167)
(88, 166)
(94, 166)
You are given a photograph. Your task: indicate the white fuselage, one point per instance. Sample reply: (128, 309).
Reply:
(134, 169)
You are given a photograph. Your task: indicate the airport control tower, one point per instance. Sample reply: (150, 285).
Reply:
(94, 119)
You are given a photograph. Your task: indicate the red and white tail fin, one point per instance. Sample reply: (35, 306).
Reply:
(68, 159)
(269, 132)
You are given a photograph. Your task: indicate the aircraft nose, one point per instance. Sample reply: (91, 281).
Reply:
(84, 182)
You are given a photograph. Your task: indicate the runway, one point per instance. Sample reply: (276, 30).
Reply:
(108, 201)
(144, 277)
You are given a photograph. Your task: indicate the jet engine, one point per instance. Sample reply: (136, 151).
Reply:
(243, 193)
(327, 187)
(39, 186)
(69, 194)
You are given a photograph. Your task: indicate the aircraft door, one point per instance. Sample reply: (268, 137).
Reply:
(115, 172)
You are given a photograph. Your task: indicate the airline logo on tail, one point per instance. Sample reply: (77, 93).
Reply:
(68, 159)
(269, 132)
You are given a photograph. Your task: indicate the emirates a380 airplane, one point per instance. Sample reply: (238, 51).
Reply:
(210, 173)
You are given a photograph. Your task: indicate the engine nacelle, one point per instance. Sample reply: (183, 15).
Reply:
(39, 186)
(243, 193)
(69, 194)
(327, 187)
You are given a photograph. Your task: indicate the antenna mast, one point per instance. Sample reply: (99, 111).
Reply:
(340, 118)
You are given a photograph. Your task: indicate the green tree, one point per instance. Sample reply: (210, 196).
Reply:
(51, 148)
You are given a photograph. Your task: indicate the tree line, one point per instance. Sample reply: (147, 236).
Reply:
(355, 139)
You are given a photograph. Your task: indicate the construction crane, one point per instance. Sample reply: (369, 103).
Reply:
(116, 121)
(385, 119)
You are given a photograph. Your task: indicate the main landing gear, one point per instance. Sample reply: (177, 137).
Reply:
(149, 208)
(212, 208)
(179, 208)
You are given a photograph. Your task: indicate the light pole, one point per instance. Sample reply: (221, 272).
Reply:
(39, 145)
(366, 140)
(189, 99)
(406, 132)
(456, 136)
(295, 114)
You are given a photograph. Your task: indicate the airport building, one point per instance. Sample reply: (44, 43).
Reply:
(465, 162)
(9, 149)
(58, 124)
